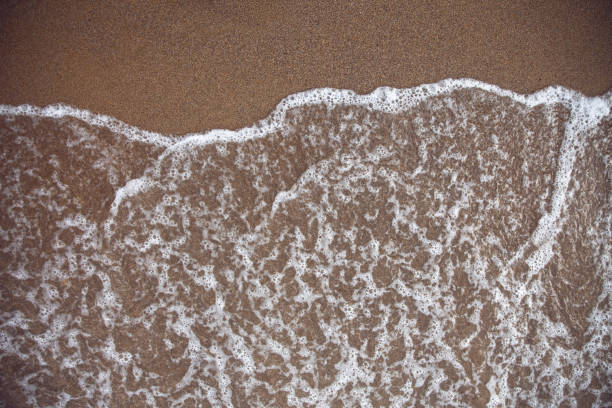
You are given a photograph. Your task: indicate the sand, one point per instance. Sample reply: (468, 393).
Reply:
(237, 252)
(198, 65)
(354, 257)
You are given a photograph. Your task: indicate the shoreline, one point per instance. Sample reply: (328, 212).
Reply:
(385, 99)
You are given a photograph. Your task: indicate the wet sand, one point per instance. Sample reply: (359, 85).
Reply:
(209, 284)
(199, 65)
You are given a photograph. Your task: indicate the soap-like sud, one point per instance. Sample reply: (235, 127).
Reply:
(445, 245)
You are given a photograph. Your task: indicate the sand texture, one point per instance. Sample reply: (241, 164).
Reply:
(197, 65)
(442, 245)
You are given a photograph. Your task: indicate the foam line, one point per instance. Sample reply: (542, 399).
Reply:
(585, 110)
(385, 99)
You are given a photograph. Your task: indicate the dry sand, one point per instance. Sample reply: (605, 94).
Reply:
(197, 65)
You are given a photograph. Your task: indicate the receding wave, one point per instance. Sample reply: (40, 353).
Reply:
(445, 245)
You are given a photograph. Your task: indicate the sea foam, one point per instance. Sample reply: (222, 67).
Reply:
(439, 245)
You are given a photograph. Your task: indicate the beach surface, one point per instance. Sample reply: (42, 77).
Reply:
(178, 67)
(371, 234)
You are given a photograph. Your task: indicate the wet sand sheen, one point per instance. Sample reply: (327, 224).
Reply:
(352, 256)
(446, 245)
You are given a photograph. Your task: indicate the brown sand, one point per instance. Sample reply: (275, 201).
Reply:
(211, 64)
(191, 67)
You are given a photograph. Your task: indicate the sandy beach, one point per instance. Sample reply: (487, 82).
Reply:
(178, 67)
(437, 242)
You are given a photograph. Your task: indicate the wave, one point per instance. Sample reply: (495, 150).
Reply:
(440, 245)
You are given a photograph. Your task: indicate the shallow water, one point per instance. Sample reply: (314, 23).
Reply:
(446, 245)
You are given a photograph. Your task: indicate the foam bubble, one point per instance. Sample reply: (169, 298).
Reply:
(349, 175)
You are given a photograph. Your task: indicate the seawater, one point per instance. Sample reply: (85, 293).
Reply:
(444, 245)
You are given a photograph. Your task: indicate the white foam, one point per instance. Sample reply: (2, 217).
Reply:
(61, 110)
(384, 99)
(426, 293)
(586, 111)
